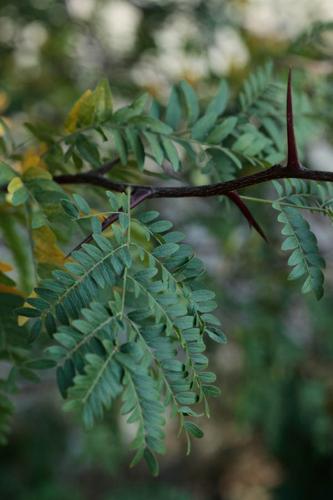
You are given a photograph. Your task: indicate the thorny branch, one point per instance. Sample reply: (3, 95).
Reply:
(221, 188)
(292, 170)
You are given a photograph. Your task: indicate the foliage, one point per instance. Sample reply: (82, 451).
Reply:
(125, 315)
(145, 342)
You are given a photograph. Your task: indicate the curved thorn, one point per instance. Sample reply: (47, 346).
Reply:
(292, 157)
(247, 214)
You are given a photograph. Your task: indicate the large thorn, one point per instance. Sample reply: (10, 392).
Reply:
(292, 157)
(247, 214)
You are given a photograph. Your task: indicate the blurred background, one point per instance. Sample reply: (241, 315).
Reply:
(271, 433)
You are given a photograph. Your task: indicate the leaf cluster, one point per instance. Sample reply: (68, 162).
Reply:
(143, 339)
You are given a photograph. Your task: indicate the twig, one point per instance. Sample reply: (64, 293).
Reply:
(137, 197)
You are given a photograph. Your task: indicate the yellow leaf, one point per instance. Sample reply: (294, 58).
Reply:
(7, 285)
(82, 103)
(33, 158)
(15, 184)
(4, 267)
(92, 107)
(46, 249)
(9, 289)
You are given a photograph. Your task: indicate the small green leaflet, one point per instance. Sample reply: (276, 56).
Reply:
(305, 258)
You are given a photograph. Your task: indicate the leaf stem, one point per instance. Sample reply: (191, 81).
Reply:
(285, 204)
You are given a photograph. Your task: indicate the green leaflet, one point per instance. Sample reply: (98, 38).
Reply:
(94, 391)
(142, 405)
(305, 258)
(171, 152)
(120, 145)
(84, 335)
(173, 109)
(102, 98)
(260, 98)
(193, 429)
(81, 203)
(222, 130)
(155, 147)
(219, 102)
(6, 173)
(251, 143)
(134, 109)
(204, 125)
(134, 141)
(255, 86)
(191, 101)
(88, 151)
(307, 194)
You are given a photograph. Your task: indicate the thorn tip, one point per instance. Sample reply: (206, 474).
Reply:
(292, 156)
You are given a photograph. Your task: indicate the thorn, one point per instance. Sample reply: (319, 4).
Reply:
(292, 156)
(247, 214)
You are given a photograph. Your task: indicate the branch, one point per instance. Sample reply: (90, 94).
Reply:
(137, 197)
(141, 192)
(221, 188)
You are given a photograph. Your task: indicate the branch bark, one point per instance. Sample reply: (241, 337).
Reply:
(221, 188)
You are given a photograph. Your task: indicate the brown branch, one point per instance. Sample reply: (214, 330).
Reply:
(141, 193)
(137, 197)
(221, 188)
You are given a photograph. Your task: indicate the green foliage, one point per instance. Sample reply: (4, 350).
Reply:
(312, 41)
(260, 99)
(305, 258)
(143, 339)
(14, 346)
(307, 195)
(257, 93)
(126, 314)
